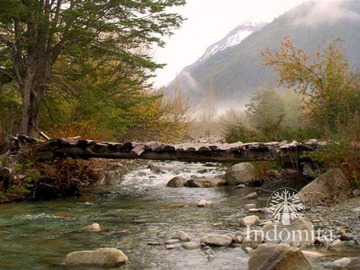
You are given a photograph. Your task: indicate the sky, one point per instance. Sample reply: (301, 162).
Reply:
(209, 21)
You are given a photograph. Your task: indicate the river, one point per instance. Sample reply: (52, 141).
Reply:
(38, 235)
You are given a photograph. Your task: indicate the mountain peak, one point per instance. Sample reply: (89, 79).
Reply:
(234, 37)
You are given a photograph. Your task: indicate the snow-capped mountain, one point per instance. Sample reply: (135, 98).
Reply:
(235, 72)
(233, 38)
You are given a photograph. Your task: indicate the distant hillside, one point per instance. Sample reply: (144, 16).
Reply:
(237, 71)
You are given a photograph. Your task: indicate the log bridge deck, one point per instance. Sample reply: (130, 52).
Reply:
(189, 152)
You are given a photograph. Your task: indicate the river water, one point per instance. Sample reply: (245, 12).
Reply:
(38, 235)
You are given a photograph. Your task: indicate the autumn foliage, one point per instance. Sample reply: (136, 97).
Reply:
(329, 88)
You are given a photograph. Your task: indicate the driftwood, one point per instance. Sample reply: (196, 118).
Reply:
(190, 152)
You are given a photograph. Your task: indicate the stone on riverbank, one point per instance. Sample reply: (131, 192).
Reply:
(95, 227)
(205, 182)
(101, 257)
(216, 240)
(278, 257)
(330, 185)
(242, 173)
(177, 181)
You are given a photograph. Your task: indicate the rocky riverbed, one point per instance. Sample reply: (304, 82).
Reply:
(159, 227)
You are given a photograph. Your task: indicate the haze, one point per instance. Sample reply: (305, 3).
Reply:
(209, 21)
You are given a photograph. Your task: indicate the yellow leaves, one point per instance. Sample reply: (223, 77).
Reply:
(160, 119)
(326, 81)
(85, 130)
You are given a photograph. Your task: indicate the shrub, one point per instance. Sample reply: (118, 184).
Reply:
(342, 151)
(234, 128)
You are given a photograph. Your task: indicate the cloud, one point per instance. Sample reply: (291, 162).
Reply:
(330, 11)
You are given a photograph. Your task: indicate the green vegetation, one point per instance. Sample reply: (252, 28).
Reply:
(328, 106)
(81, 68)
(329, 89)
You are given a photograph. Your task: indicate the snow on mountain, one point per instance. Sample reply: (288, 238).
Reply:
(233, 38)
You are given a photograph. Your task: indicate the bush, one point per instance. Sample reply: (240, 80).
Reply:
(234, 128)
(342, 151)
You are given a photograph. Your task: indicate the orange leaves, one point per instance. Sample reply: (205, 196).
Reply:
(327, 83)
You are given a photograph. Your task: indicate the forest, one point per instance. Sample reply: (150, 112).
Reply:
(81, 68)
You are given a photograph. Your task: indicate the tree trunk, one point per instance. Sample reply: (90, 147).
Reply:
(32, 93)
(26, 104)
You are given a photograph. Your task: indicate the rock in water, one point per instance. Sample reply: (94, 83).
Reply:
(242, 173)
(278, 257)
(249, 206)
(190, 245)
(216, 240)
(177, 181)
(240, 186)
(326, 186)
(252, 195)
(181, 235)
(342, 263)
(205, 182)
(204, 203)
(95, 227)
(101, 257)
(249, 221)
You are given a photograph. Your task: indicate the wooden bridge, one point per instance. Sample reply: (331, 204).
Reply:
(189, 152)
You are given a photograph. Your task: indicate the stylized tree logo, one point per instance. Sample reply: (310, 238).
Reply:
(284, 205)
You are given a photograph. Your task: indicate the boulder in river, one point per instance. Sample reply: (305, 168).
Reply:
(242, 173)
(101, 257)
(330, 185)
(205, 182)
(278, 257)
(216, 240)
(177, 181)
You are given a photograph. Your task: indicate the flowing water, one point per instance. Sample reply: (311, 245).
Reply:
(38, 235)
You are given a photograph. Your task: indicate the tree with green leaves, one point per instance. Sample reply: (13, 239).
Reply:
(266, 112)
(44, 41)
(330, 89)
